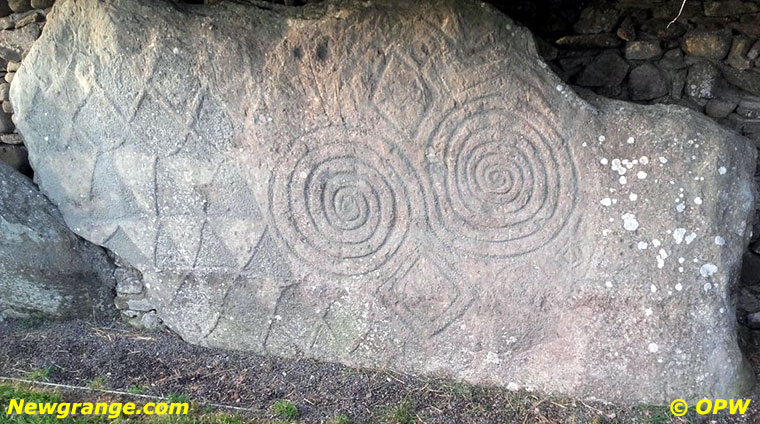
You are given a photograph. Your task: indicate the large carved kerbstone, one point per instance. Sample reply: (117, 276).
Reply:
(393, 184)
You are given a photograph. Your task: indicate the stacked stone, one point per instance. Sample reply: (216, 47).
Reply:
(21, 23)
(708, 59)
(131, 297)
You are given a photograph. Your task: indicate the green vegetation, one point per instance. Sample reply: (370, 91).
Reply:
(285, 409)
(42, 374)
(137, 389)
(403, 414)
(178, 398)
(97, 383)
(339, 419)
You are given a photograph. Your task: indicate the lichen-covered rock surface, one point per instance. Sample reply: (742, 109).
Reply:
(45, 269)
(393, 184)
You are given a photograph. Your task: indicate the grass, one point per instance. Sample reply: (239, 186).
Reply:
(137, 389)
(178, 398)
(402, 414)
(285, 409)
(42, 374)
(97, 383)
(339, 419)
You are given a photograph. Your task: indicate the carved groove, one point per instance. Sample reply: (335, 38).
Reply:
(342, 206)
(503, 179)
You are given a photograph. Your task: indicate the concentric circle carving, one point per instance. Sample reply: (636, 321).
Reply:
(503, 179)
(340, 201)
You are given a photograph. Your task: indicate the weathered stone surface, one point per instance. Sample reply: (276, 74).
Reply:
(14, 44)
(749, 25)
(702, 80)
(394, 184)
(44, 268)
(737, 55)
(730, 8)
(30, 17)
(712, 45)
(11, 139)
(19, 5)
(627, 31)
(719, 108)
(6, 124)
(15, 156)
(42, 4)
(647, 82)
(673, 59)
(642, 49)
(594, 20)
(607, 69)
(590, 41)
(5, 10)
(747, 80)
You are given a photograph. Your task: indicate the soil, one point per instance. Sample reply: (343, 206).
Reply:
(77, 352)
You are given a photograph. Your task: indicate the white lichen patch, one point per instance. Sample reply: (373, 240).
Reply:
(720, 241)
(690, 238)
(629, 222)
(633, 197)
(679, 287)
(641, 175)
(707, 270)
(642, 245)
(606, 201)
(656, 243)
(698, 200)
(680, 207)
(722, 170)
(653, 348)
(678, 235)
(617, 166)
(631, 140)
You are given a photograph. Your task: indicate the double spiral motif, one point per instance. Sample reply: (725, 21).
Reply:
(502, 183)
(339, 200)
(503, 179)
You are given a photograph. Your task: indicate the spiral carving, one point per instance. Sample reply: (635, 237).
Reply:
(503, 179)
(340, 201)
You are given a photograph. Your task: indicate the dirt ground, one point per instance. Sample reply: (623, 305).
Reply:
(159, 363)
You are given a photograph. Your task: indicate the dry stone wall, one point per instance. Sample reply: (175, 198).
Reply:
(21, 23)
